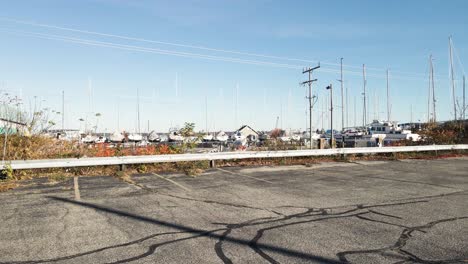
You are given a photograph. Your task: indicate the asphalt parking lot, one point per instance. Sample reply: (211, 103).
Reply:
(413, 211)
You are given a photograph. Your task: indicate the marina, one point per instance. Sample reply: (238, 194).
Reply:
(206, 131)
(378, 133)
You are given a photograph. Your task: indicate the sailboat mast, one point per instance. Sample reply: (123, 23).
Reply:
(236, 105)
(375, 105)
(354, 103)
(63, 110)
(464, 105)
(388, 97)
(364, 110)
(429, 97)
(118, 114)
(434, 115)
(411, 113)
(342, 95)
(138, 110)
(453, 79)
(90, 94)
(206, 114)
(347, 103)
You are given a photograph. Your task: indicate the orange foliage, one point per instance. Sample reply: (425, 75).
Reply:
(147, 150)
(165, 149)
(103, 150)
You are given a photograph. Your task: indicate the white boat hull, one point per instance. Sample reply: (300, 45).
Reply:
(135, 137)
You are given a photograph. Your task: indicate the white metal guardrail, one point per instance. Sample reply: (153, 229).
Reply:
(125, 160)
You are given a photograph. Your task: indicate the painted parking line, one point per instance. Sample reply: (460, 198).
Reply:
(173, 182)
(246, 176)
(77, 188)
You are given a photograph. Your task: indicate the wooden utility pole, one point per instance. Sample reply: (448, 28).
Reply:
(331, 113)
(309, 82)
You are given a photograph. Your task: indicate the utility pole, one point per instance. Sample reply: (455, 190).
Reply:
(331, 113)
(364, 110)
(453, 79)
(63, 110)
(342, 95)
(309, 82)
(388, 97)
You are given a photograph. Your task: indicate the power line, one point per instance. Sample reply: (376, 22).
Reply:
(153, 50)
(183, 54)
(194, 46)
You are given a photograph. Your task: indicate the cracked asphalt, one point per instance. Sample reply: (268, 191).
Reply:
(410, 211)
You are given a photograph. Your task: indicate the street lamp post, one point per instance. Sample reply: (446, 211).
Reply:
(331, 113)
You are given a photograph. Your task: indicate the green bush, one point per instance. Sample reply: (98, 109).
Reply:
(7, 173)
(142, 168)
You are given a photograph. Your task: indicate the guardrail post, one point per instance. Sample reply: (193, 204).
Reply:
(122, 167)
(343, 156)
(212, 164)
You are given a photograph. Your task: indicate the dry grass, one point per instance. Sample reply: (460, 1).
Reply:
(124, 176)
(56, 178)
(5, 186)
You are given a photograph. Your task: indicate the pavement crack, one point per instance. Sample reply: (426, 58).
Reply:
(96, 250)
(379, 221)
(398, 246)
(254, 241)
(383, 214)
(62, 220)
(152, 248)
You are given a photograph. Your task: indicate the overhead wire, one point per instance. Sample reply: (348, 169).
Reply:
(197, 47)
(184, 54)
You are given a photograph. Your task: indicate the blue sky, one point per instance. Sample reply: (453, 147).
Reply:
(400, 35)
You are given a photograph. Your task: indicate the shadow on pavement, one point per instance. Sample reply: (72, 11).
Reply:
(200, 232)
